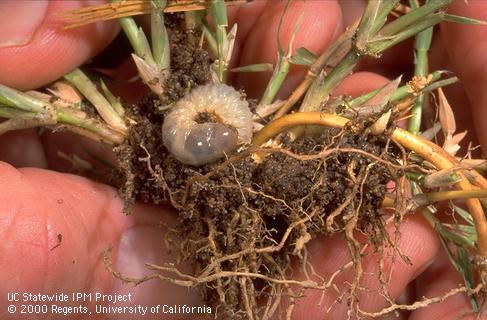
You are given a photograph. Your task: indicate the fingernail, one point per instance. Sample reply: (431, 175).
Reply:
(20, 20)
(140, 245)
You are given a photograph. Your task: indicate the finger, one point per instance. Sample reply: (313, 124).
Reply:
(321, 23)
(54, 151)
(466, 47)
(351, 10)
(456, 96)
(35, 51)
(58, 145)
(437, 280)
(61, 225)
(392, 63)
(360, 83)
(23, 148)
(245, 16)
(418, 242)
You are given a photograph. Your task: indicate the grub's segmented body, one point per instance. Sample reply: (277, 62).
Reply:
(202, 143)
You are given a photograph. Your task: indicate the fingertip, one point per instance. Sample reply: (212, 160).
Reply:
(142, 245)
(63, 225)
(352, 10)
(60, 224)
(418, 242)
(466, 47)
(59, 147)
(48, 52)
(440, 278)
(245, 16)
(360, 83)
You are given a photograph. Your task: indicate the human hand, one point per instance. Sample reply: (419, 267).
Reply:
(37, 205)
(54, 226)
(430, 274)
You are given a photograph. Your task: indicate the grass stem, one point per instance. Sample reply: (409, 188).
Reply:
(16, 99)
(159, 36)
(219, 15)
(421, 47)
(137, 39)
(101, 104)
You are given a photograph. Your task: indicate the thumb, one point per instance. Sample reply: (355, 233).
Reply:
(34, 50)
(54, 229)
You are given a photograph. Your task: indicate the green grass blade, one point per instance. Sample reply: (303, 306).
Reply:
(258, 67)
(101, 104)
(210, 37)
(421, 47)
(463, 20)
(9, 113)
(218, 12)
(137, 39)
(382, 43)
(114, 101)
(283, 62)
(413, 17)
(367, 22)
(464, 214)
(14, 98)
(303, 57)
(159, 37)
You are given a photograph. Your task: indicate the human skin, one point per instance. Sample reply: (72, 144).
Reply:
(37, 203)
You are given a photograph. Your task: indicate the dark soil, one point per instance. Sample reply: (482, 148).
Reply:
(190, 66)
(253, 213)
(237, 206)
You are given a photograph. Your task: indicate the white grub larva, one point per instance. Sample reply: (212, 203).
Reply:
(197, 143)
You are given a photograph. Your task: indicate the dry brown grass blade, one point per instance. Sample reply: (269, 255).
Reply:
(452, 144)
(125, 8)
(448, 125)
(441, 178)
(447, 118)
(380, 125)
(474, 163)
